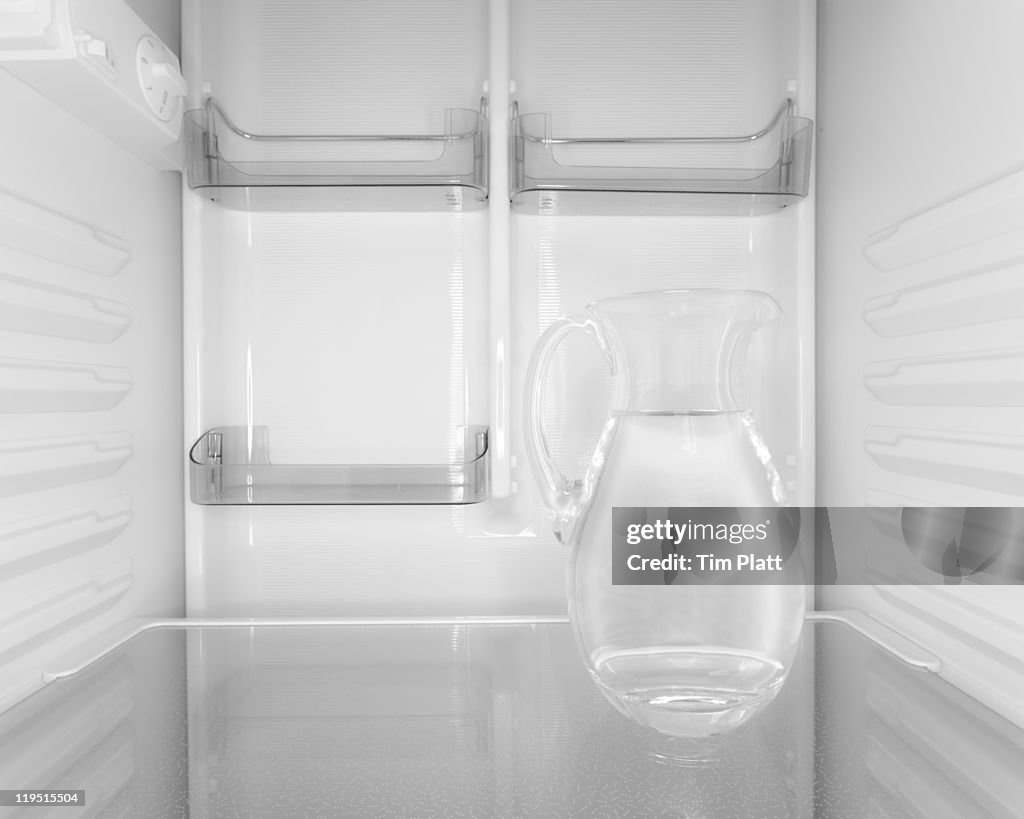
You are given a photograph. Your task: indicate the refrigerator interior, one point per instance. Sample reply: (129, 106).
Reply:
(350, 316)
(378, 337)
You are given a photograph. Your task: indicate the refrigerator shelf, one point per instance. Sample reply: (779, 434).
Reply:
(486, 716)
(404, 172)
(231, 466)
(743, 175)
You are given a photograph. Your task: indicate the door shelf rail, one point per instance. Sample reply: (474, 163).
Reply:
(727, 175)
(231, 466)
(255, 171)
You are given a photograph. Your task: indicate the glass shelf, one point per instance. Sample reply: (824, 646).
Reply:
(250, 171)
(489, 717)
(231, 466)
(732, 175)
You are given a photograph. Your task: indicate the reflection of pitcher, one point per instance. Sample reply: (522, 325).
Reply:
(688, 660)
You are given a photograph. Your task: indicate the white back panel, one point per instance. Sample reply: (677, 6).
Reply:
(365, 337)
(655, 67)
(354, 337)
(920, 309)
(90, 407)
(359, 66)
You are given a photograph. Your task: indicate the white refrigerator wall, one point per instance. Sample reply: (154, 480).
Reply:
(371, 337)
(91, 511)
(920, 300)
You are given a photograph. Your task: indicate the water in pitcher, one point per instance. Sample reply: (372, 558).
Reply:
(695, 659)
(688, 458)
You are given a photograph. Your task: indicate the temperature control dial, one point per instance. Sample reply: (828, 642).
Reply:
(160, 78)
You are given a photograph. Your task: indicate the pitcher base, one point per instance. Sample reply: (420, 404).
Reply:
(693, 692)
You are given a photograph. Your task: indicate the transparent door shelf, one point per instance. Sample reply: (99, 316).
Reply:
(231, 466)
(250, 171)
(738, 175)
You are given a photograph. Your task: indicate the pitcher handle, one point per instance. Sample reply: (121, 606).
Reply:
(560, 493)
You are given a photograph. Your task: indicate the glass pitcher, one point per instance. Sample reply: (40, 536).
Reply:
(687, 660)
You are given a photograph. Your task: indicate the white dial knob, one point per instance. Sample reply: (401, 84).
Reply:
(160, 78)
